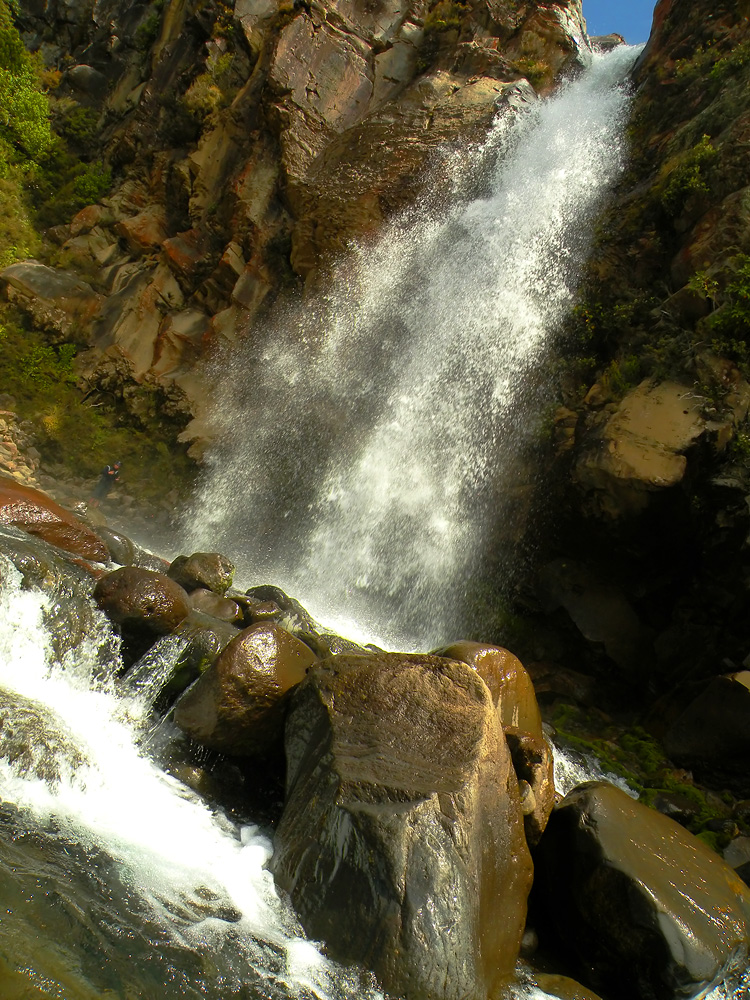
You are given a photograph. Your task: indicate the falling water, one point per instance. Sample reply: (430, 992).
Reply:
(371, 440)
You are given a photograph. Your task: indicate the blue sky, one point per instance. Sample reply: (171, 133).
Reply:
(631, 19)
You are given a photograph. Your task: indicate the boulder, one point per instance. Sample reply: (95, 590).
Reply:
(642, 907)
(237, 706)
(514, 697)
(401, 843)
(36, 513)
(218, 607)
(509, 683)
(207, 570)
(142, 599)
(713, 732)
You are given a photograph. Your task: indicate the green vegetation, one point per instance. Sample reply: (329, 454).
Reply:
(536, 71)
(686, 175)
(84, 434)
(445, 15)
(212, 90)
(638, 758)
(729, 325)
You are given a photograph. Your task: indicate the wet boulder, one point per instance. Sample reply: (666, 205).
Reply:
(34, 742)
(515, 699)
(401, 844)
(218, 607)
(563, 988)
(643, 908)
(237, 705)
(143, 600)
(207, 570)
(36, 513)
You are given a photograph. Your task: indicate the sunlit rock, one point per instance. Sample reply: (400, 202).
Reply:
(514, 697)
(210, 570)
(142, 599)
(561, 987)
(401, 843)
(56, 299)
(641, 906)
(36, 513)
(238, 706)
(640, 449)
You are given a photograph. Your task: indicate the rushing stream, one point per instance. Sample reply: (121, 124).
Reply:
(377, 439)
(372, 441)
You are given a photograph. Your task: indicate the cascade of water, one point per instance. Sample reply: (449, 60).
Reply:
(133, 843)
(369, 444)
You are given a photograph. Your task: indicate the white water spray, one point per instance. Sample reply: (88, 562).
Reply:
(172, 851)
(370, 457)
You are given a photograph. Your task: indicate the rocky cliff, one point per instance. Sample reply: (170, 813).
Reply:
(248, 143)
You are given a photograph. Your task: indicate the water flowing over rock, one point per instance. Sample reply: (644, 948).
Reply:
(33, 741)
(646, 908)
(401, 843)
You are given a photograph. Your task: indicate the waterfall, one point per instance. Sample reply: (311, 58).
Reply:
(113, 875)
(371, 439)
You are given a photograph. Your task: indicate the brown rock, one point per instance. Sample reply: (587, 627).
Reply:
(34, 512)
(642, 907)
(209, 570)
(533, 762)
(142, 598)
(237, 706)
(57, 300)
(401, 842)
(640, 449)
(509, 683)
(218, 607)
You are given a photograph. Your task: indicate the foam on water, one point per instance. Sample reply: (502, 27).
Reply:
(175, 851)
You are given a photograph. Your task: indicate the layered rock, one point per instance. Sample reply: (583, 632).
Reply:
(251, 142)
(401, 843)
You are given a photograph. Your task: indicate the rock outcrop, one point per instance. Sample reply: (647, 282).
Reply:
(401, 843)
(250, 143)
(34, 512)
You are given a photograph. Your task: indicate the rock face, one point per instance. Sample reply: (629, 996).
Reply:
(513, 693)
(36, 513)
(250, 142)
(237, 706)
(641, 448)
(401, 843)
(646, 908)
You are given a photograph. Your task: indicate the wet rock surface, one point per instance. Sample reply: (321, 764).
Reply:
(646, 909)
(36, 513)
(238, 705)
(401, 842)
(142, 599)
